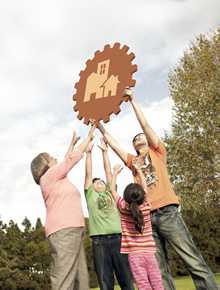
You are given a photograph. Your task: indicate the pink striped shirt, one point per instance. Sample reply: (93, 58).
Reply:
(132, 241)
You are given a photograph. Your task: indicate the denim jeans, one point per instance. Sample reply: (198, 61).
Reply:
(168, 227)
(108, 260)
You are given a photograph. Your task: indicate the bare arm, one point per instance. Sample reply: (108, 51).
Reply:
(151, 136)
(84, 145)
(113, 143)
(137, 165)
(116, 170)
(73, 142)
(88, 169)
(106, 162)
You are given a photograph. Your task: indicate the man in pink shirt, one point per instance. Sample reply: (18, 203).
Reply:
(64, 216)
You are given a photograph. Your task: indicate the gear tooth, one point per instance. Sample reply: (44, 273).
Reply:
(75, 108)
(86, 121)
(81, 73)
(116, 111)
(74, 97)
(134, 68)
(132, 83)
(97, 52)
(88, 62)
(131, 56)
(79, 116)
(107, 118)
(76, 85)
(125, 48)
(116, 45)
(107, 46)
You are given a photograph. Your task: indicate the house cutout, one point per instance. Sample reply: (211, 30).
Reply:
(99, 85)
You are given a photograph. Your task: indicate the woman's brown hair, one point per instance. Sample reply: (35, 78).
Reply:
(39, 166)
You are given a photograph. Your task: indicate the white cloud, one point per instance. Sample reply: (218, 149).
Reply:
(45, 44)
(18, 188)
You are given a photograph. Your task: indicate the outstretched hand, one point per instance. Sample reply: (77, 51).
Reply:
(75, 138)
(117, 169)
(90, 147)
(91, 131)
(128, 93)
(103, 145)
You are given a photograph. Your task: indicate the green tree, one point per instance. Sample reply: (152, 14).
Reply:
(89, 257)
(194, 146)
(24, 257)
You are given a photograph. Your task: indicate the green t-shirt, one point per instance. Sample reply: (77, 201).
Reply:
(104, 217)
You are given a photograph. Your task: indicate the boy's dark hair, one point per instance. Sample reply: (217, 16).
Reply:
(39, 166)
(96, 178)
(134, 195)
(137, 136)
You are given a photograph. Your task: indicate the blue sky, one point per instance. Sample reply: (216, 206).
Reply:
(44, 45)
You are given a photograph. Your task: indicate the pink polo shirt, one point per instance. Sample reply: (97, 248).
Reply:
(62, 199)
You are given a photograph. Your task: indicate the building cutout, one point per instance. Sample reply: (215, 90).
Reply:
(99, 85)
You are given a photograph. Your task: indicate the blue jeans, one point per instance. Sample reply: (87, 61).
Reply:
(168, 227)
(108, 260)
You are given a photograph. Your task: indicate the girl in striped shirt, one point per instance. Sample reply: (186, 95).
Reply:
(137, 240)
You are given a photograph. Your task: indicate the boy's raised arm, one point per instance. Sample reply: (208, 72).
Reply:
(106, 162)
(116, 170)
(88, 169)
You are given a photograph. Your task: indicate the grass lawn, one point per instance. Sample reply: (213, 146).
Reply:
(183, 283)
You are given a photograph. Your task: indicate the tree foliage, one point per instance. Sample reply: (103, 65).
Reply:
(194, 146)
(25, 254)
(24, 257)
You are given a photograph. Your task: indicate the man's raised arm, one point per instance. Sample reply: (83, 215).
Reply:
(113, 144)
(151, 136)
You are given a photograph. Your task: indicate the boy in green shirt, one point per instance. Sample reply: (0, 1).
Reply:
(105, 227)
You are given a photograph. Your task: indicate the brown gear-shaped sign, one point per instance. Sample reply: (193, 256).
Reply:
(99, 91)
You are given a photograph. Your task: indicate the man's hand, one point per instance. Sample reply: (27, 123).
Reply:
(103, 145)
(117, 169)
(128, 93)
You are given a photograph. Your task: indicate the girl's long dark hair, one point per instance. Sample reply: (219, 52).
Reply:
(134, 196)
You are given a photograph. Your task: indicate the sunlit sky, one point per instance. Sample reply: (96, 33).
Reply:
(45, 44)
